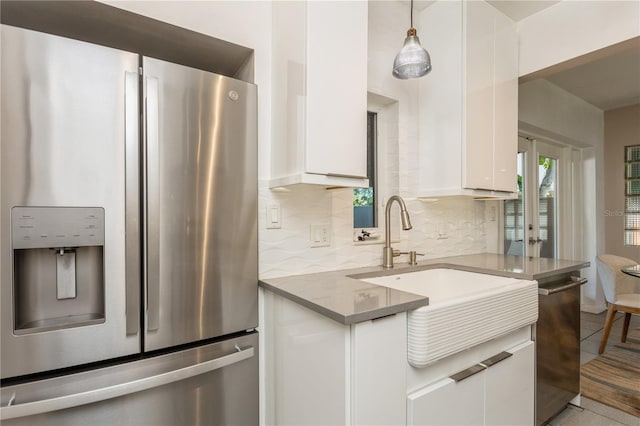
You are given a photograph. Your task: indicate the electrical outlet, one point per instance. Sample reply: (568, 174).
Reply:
(319, 236)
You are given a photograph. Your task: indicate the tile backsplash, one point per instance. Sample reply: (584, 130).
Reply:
(446, 227)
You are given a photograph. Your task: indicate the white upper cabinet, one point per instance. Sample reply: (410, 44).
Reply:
(319, 109)
(468, 125)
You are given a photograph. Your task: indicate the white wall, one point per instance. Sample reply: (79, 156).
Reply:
(546, 109)
(573, 28)
(622, 128)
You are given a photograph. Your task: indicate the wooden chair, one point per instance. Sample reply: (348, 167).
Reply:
(621, 291)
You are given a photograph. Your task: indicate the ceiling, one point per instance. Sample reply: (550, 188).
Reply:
(608, 82)
(607, 79)
(520, 9)
(515, 9)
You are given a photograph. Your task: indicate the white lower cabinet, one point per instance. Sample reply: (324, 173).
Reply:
(498, 394)
(318, 371)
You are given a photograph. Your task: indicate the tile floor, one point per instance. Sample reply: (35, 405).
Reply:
(592, 413)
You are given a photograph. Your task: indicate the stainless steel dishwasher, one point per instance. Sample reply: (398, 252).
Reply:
(557, 343)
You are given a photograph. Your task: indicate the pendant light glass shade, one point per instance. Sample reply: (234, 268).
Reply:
(413, 60)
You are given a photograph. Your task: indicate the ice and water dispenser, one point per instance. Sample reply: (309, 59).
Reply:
(58, 267)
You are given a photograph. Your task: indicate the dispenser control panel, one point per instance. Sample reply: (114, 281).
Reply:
(50, 227)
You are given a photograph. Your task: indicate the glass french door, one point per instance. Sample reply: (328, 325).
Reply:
(531, 224)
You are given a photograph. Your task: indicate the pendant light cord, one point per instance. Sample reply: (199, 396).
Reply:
(411, 13)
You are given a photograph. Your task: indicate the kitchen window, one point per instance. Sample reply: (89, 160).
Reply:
(365, 213)
(632, 196)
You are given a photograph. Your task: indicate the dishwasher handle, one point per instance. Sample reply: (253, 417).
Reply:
(575, 282)
(120, 389)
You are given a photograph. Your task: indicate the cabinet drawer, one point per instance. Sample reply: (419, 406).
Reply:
(495, 391)
(448, 402)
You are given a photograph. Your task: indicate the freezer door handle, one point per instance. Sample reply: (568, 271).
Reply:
(132, 204)
(152, 204)
(120, 389)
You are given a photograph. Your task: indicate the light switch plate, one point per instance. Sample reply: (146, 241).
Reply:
(274, 216)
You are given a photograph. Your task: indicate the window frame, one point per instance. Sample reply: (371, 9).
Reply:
(631, 231)
(372, 159)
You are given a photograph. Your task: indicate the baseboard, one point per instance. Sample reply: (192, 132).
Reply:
(593, 309)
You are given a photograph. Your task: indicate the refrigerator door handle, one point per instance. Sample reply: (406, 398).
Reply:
(120, 389)
(132, 204)
(152, 203)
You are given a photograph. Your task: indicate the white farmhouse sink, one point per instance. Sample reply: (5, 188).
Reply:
(442, 285)
(465, 309)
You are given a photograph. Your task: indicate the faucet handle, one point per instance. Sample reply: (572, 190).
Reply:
(412, 257)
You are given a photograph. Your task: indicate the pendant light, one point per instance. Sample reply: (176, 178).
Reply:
(413, 60)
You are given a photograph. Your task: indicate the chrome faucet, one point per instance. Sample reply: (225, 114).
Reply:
(387, 251)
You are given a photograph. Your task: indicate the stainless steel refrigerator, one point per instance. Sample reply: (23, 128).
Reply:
(128, 238)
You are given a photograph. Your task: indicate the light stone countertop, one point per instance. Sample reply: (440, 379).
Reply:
(344, 299)
(523, 267)
(341, 296)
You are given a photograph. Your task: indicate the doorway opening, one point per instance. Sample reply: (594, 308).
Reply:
(533, 222)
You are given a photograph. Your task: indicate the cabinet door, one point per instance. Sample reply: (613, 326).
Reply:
(336, 133)
(506, 105)
(477, 170)
(306, 359)
(440, 101)
(378, 363)
(510, 389)
(448, 403)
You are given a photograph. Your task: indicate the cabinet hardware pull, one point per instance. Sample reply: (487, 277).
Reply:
(465, 374)
(495, 359)
(381, 318)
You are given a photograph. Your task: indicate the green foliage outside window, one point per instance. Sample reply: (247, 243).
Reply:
(363, 197)
(547, 184)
